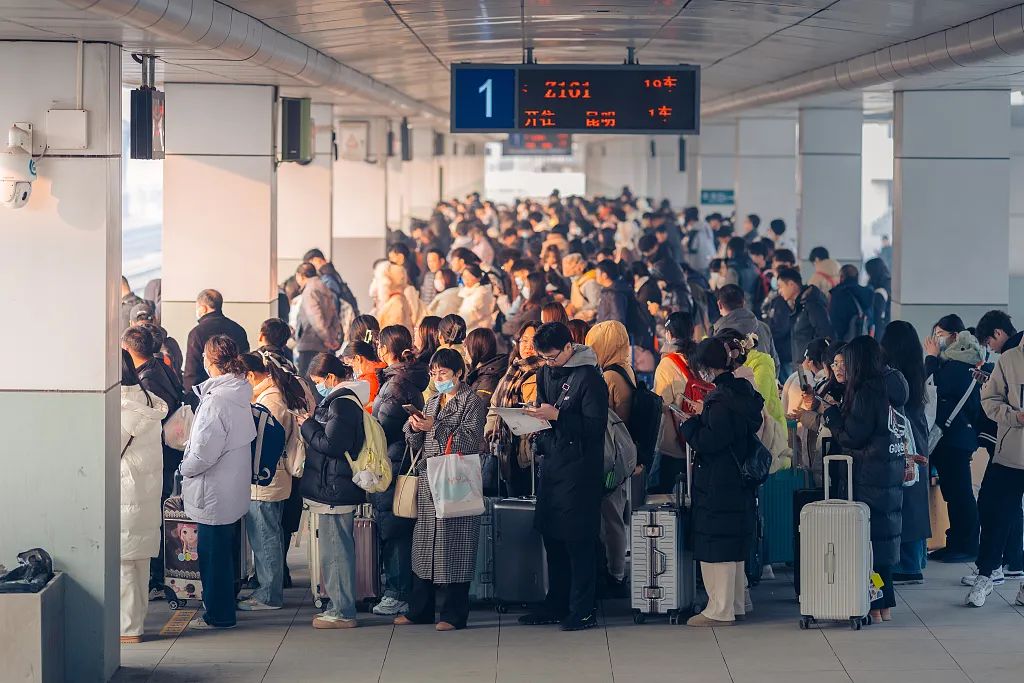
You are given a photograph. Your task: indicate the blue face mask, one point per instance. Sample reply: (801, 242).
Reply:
(322, 388)
(445, 386)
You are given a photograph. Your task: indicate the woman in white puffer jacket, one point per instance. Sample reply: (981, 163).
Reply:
(141, 480)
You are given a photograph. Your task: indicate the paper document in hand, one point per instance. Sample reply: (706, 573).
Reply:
(519, 422)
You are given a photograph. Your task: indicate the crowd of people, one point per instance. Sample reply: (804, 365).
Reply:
(564, 308)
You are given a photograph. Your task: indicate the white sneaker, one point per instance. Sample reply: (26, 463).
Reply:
(390, 607)
(1012, 574)
(254, 605)
(982, 589)
(997, 577)
(1020, 597)
(748, 604)
(767, 573)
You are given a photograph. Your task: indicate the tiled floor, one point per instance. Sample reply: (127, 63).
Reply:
(932, 639)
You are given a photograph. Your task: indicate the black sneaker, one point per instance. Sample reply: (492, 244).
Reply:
(907, 579)
(539, 619)
(956, 558)
(574, 623)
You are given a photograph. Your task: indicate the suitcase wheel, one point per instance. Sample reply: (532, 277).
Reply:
(169, 594)
(318, 603)
(673, 617)
(856, 623)
(805, 623)
(176, 604)
(867, 620)
(639, 617)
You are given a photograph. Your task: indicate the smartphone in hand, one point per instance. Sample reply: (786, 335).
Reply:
(413, 410)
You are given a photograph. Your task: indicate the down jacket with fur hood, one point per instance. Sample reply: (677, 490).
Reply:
(141, 472)
(217, 467)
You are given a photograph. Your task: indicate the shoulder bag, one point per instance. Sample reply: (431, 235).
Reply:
(404, 504)
(935, 434)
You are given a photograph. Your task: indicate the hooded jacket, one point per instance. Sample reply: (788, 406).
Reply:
(484, 378)
(217, 467)
(445, 303)
(951, 371)
(141, 472)
(700, 246)
(745, 322)
(843, 308)
(585, 293)
(572, 470)
(319, 327)
(615, 301)
(1003, 399)
(866, 431)
(722, 436)
(826, 275)
(610, 342)
(810, 321)
(395, 310)
(477, 307)
(743, 273)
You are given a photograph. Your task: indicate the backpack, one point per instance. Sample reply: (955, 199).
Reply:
(639, 323)
(619, 448)
(696, 388)
(644, 417)
(267, 447)
(371, 470)
(859, 324)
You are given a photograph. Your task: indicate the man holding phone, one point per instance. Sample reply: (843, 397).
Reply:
(572, 395)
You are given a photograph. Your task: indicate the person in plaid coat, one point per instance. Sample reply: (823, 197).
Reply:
(444, 550)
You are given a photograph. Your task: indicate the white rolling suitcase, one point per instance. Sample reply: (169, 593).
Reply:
(835, 557)
(662, 571)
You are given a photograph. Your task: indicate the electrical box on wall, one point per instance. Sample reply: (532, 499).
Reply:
(67, 129)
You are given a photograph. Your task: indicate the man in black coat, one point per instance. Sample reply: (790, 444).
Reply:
(615, 293)
(210, 321)
(809, 308)
(850, 306)
(572, 395)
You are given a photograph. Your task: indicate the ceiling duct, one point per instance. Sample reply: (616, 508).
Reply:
(237, 36)
(981, 42)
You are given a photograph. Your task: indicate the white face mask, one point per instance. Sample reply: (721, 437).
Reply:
(438, 285)
(199, 314)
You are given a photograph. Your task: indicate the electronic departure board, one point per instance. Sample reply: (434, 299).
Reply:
(575, 98)
(537, 144)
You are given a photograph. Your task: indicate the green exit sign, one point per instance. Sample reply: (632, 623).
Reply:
(718, 197)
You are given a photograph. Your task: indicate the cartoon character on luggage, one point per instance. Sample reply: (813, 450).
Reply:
(188, 539)
(181, 556)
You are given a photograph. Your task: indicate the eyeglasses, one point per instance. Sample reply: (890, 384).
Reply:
(838, 363)
(550, 359)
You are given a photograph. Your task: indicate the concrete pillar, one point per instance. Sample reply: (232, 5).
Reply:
(766, 167)
(220, 213)
(423, 176)
(59, 389)
(664, 179)
(951, 204)
(362, 193)
(716, 168)
(829, 181)
(1017, 219)
(304, 193)
(615, 162)
(463, 172)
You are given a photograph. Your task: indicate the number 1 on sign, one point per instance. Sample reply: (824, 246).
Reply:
(486, 89)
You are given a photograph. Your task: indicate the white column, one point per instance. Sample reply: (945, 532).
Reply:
(951, 201)
(1017, 221)
(463, 172)
(423, 176)
(220, 215)
(716, 168)
(664, 179)
(829, 180)
(60, 398)
(362, 193)
(304, 194)
(766, 167)
(616, 162)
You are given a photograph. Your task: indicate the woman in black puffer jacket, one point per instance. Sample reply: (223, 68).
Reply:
(401, 383)
(722, 435)
(860, 425)
(488, 366)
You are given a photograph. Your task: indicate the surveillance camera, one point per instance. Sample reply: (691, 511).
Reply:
(17, 171)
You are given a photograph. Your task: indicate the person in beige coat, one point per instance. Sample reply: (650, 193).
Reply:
(276, 386)
(394, 308)
(610, 342)
(141, 480)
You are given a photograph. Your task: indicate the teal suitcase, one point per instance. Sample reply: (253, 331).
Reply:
(777, 513)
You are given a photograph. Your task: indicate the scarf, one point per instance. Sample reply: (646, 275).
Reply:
(509, 389)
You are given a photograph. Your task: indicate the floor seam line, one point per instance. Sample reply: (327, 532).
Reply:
(607, 640)
(387, 651)
(295, 615)
(728, 670)
(932, 634)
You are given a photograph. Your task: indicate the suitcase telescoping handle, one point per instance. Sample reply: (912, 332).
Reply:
(688, 501)
(849, 473)
(176, 486)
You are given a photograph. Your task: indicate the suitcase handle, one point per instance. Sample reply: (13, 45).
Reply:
(689, 477)
(849, 472)
(660, 562)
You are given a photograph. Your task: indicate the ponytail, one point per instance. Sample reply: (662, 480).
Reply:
(282, 374)
(222, 353)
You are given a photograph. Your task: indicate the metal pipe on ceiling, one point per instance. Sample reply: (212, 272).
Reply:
(236, 36)
(974, 43)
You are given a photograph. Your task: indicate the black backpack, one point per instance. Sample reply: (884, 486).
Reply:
(644, 417)
(859, 323)
(639, 323)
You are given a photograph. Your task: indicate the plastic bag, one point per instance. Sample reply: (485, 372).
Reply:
(456, 485)
(33, 573)
(178, 427)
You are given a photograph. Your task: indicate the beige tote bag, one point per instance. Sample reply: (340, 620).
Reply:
(404, 504)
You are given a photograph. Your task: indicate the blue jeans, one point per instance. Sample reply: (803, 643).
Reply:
(913, 557)
(397, 559)
(263, 525)
(218, 568)
(338, 561)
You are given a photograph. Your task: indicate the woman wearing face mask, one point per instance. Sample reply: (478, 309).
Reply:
(443, 550)
(365, 364)
(859, 423)
(529, 308)
(402, 383)
(327, 488)
(953, 352)
(447, 299)
(217, 473)
(671, 377)
(518, 386)
(276, 387)
(477, 307)
(797, 399)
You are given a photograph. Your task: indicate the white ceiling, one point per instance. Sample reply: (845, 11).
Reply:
(409, 44)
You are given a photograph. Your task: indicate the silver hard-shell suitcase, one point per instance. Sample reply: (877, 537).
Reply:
(835, 557)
